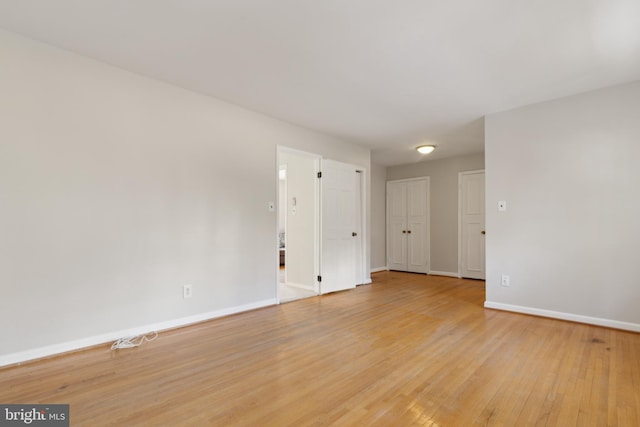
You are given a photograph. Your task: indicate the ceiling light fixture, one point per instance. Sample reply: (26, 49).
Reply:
(425, 149)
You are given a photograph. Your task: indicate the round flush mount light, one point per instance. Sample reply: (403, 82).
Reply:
(425, 149)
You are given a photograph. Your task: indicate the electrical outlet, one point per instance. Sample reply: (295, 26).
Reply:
(187, 291)
(506, 280)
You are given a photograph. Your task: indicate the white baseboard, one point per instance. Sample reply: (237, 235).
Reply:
(444, 273)
(51, 350)
(375, 270)
(616, 324)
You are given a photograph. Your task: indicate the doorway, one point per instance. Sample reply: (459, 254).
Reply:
(321, 212)
(298, 208)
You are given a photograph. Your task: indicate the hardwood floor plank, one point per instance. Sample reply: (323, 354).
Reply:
(408, 349)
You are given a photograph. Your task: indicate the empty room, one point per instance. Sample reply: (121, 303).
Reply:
(291, 213)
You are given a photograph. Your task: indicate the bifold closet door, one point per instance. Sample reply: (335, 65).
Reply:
(407, 225)
(417, 241)
(397, 226)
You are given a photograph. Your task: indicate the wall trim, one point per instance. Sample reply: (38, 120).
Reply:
(616, 324)
(377, 269)
(83, 343)
(444, 273)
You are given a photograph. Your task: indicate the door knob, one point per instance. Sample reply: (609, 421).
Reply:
(483, 232)
(354, 234)
(409, 231)
(404, 231)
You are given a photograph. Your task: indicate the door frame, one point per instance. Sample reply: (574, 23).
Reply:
(363, 276)
(282, 166)
(460, 175)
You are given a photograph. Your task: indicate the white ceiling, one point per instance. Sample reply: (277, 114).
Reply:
(387, 74)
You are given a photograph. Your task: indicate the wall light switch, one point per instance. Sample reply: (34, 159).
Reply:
(506, 280)
(187, 291)
(502, 206)
(272, 207)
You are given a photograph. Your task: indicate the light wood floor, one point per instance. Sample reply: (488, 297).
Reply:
(406, 350)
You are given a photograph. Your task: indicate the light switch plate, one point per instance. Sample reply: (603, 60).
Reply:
(502, 206)
(187, 291)
(506, 280)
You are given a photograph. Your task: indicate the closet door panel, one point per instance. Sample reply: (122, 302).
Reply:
(397, 226)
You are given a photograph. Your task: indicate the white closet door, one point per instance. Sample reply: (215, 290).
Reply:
(472, 225)
(417, 227)
(397, 225)
(408, 225)
(338, 224)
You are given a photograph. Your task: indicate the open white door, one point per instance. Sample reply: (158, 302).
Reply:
(472, 255)
(338, 226)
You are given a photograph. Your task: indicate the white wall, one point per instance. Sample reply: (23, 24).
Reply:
(378, 217)
(569, 172)
(443, 174)
(116, 189)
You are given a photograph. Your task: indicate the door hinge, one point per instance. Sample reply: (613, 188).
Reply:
(319, 278)
(319, 174)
